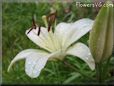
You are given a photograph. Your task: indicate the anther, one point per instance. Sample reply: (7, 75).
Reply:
(39, 30)
(49, 27)
(29, 30)
(33, 25)
(51, 20)
(51, 17)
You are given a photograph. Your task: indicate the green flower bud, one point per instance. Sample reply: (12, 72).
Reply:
(102, 34)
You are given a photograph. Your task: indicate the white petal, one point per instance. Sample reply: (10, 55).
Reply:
(34, 64)
(43, 40)
(80, 28)
(68, 33)
(24, 54)
(82, 51)
(62, 31)
(35, 61)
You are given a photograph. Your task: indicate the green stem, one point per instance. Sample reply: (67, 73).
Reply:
(102, 70)
(99, 72)
(106, 69)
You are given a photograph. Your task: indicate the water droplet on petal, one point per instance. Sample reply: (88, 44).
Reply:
(35, 72)
(29, 63)
(87, 58)
(89, 54)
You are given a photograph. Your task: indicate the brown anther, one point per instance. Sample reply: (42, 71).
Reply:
(39, 30)
(33, 25)
(29, 30)
(51, 19)
(49, 27)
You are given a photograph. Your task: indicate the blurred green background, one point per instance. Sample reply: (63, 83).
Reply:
(17, 18)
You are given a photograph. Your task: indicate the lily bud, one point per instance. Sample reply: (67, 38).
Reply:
(102, 34)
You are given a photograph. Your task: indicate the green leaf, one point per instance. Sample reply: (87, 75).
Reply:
(73, 77)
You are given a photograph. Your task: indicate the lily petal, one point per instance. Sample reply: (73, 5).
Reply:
(68, 33)
(62, 31)
(82, 51)
(34, 64)
(43, 40)
(24, 54)
(80, 28)
(35, 61)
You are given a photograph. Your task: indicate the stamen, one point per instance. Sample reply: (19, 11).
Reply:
(51, 19)
(44, 18)
(29, 30)
(49, 27)
(39, 30)
(33, 25)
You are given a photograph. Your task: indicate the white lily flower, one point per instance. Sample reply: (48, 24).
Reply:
(58, 44)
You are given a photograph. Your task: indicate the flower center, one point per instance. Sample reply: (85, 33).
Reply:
(48, 20)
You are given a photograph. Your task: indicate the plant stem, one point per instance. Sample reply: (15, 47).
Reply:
(98, 72)
(106, 68)
(102, 70)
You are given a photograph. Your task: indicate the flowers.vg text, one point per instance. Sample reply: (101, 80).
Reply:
(96, 4)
